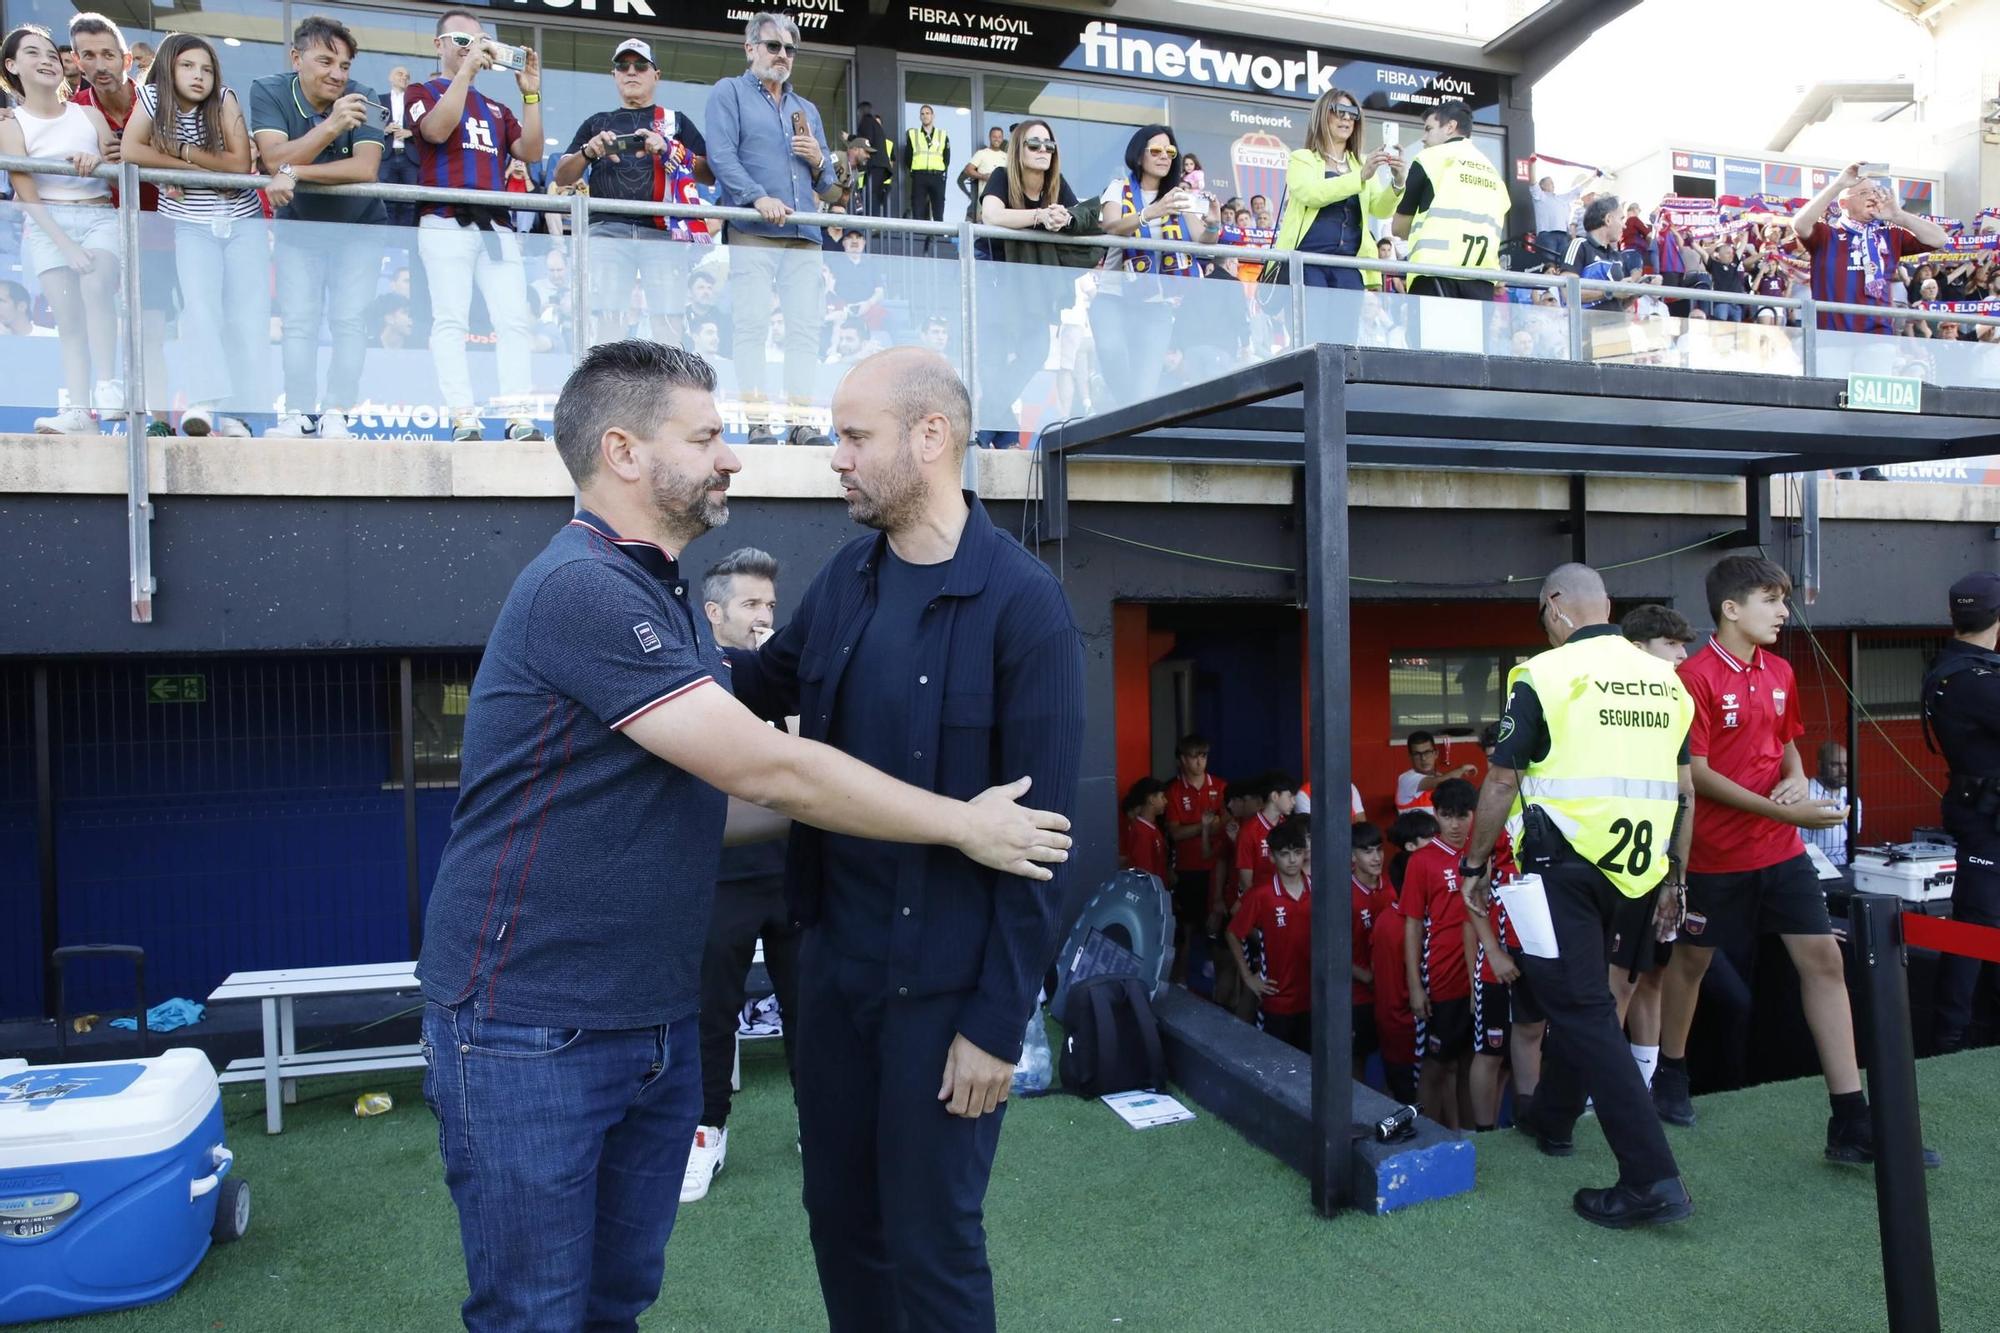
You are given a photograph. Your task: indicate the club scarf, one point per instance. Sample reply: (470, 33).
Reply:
(1170, 229)
(1872, 239)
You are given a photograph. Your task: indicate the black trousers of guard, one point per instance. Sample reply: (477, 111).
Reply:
(1975, 897)
(1585, 1052)
(927, 195)
(746, 910)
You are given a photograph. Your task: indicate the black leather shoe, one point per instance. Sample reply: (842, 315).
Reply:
(1551, 1145)
(1855, 1145)
(1622, 1206)
(1670, 1097)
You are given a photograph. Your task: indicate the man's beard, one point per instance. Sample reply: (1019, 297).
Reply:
(894, 500)
(687, 509)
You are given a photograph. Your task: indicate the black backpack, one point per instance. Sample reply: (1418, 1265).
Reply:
(1112, 1043)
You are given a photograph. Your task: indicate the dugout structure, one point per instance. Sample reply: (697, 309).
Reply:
(1325, 408)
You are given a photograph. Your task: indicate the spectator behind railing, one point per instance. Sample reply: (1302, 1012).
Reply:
(70, 243)
(464, 140)
(17, 313)
(769, 152)
(188, 120)
(1132, 317)
(1027, 193)
(317, 125)
(637, 151)
(1854, 259)
(399, 152)
(1331, 192)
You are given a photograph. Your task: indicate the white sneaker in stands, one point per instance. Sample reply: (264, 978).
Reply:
(705, 1159)
(69, 421)
(232, 428)
(108, 397)
(333, 426)
(197, 421)
(293, 426)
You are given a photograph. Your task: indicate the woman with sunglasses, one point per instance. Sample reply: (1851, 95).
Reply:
(1331, 191)
(1132, 317)
(1027, 193)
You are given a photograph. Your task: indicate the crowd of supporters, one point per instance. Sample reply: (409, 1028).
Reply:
(782, 307)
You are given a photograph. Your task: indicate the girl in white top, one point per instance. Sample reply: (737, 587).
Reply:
(70, 243)
(184, 119)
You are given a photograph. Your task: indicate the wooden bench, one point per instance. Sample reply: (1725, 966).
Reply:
(282, 1065)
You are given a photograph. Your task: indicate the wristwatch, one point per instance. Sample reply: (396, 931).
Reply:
(1468, 871)
(287, 172)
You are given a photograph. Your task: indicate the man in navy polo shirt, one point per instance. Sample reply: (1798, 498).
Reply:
(562, 948)
(939, 650)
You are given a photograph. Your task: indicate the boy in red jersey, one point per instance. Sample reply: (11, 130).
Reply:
(1371, 899)
(1434, 955)
(1194, 826)
(1279, 910)
(1748, 873)
(1507, 1024)
(1253, 865)
(1395, 1025)
(1144, 847)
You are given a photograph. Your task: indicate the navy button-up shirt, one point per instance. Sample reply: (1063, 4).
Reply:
(576, 886)
(993, 685)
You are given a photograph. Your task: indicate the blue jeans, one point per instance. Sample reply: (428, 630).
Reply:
(326, 270)
(1726, 310)
(225, 276)
(563, 1150)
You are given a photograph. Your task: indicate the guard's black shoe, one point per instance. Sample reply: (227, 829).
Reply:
(1552, 1145)
(1670, 1097)
(1854, 1145)
(1622, 1206)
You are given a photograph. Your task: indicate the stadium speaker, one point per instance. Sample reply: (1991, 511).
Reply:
(1127, 928)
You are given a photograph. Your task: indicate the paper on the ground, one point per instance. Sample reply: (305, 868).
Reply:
(1528, 908)
(1143, 1110)
(1822, 862)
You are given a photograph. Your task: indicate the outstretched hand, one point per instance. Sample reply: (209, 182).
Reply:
(1012, 838)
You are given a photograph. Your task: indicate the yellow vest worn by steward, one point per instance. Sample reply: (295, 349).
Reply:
(1462, 226)
(1617, 716)
(927, 150)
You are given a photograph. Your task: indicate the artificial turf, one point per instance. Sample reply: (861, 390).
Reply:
(1093, 1225)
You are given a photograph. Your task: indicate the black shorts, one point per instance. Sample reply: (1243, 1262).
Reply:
(1366, 1040)
(1634, 946)
(1191, 898)
(1402, 1081)
(1295, 1030)
(1447, 1033)
(1496, 1008)
(1784, 899)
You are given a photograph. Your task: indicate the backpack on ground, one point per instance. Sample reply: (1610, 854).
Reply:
(1111, 1041)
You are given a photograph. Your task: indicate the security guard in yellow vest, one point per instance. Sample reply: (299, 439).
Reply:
(1593, 752)
(1454, 206)
(926, 155)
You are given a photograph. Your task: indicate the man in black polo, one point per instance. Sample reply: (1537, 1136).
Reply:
(940, 650)
(563, 940)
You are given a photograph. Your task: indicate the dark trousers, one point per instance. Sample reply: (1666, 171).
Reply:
(927, 195)
(745, 910)
(1975, 897)
(399, 167)
(1585, 1051)
(894, 1186)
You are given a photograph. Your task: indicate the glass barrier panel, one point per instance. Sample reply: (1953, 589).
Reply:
(1506, 326)
(1935, 350)
(1056, 341)
(780, 324)
(1691, 343)
(60, 331)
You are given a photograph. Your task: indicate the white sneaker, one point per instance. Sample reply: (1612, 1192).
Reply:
(293, 426)
(333, 426)
(232, 428)
(108, 397)
(197, 421)
(69, 421)
(705, 1159)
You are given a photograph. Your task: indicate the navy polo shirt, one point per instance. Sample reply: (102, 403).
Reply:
(576, 886)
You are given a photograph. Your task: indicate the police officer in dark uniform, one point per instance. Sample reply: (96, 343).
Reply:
(1961, 695)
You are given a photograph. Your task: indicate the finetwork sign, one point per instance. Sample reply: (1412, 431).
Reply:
(1165, 56)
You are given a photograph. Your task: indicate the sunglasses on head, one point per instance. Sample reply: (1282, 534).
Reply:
(1038, 143)
(778, 48)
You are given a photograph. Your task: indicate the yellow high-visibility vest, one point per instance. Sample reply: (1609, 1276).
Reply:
(927, 148)
(1462, 226)
(1617, 717)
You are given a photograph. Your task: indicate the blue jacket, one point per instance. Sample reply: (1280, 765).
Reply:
(750, 151)
(995, 692)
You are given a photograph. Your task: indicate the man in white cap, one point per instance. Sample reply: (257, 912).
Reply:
(639, 151)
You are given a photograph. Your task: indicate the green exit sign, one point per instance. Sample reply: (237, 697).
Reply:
(191, 688)
(1885, 393)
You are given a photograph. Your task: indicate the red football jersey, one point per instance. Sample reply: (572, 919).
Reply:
(1504, 869)
(1394, 1024)
(1285, 924)
(1367, 908)
(1186, 805)
(1745, 713)
(1146, 847)
(1253, 853)
(1430, 896)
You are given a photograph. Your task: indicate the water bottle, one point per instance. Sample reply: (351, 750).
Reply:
(1035, 1072)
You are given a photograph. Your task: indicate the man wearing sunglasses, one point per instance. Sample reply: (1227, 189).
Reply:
(637, 151)
(769, 152)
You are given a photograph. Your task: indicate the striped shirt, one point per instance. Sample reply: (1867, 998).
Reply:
(475, 157)
(193, 203)
(1839, 273)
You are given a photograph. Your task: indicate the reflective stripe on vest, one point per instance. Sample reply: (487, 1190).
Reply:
(1611, 709)
(1462, 226)
(927, 156)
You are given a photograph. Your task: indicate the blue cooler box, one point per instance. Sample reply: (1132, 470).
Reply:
(110, 1177)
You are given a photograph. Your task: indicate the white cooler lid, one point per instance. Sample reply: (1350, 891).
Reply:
(52, 1114)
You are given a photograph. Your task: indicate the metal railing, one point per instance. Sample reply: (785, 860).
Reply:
(580, 210)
